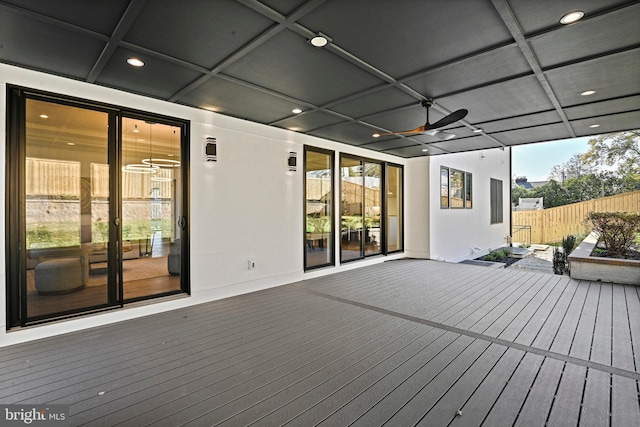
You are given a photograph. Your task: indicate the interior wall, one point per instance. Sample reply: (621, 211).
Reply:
(247, 205)
(459, 234)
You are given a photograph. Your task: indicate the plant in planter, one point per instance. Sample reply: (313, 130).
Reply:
(617, 231)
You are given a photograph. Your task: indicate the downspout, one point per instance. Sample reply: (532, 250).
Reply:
(510, 195)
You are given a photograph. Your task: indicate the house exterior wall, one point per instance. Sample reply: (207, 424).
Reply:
(248, 205)
(459, 234)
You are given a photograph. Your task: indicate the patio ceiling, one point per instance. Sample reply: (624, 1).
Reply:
(511, 63)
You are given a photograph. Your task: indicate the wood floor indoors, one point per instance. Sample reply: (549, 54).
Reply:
(402, 343)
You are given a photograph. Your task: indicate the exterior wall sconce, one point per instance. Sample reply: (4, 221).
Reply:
(210, 150)
(292, 161)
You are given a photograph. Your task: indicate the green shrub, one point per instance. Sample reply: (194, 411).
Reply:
(617, 230)
(568, 244)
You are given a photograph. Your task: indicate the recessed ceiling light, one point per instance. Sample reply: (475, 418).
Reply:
(135, 62)
(594, 126)
(71, 143)
(424, 150)
(571, 17)
(477, 130)
(588, 92)
(44, 116)
(376, 135)
(296, 111)
(320, 40)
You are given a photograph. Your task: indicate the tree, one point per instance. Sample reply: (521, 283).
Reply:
(518, 192)
(575, 167)
(621, 149)
(554, 194)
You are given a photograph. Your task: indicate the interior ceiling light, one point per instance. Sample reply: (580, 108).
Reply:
(594, 126)
(477, 130)
(571, 17)
(588, 92)
(320, 40)
(135, 62)
(296, 111)
(376, 135)
(424, 150)
(44, 116)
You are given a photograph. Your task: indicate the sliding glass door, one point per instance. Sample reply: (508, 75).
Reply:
(96, 207)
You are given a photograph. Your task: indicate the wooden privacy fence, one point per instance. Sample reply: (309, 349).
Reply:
(551, 225)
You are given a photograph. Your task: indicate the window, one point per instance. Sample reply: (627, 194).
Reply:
(444, 187)
(496, 201)
(319, 228)
(456, 189)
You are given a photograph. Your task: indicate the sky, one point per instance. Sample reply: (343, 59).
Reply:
(535, 161)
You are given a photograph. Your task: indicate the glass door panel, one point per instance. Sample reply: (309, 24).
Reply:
(394, 208)
(351, 192)
(318, 209)
(67, 219)
(372, 208)
(151, 208)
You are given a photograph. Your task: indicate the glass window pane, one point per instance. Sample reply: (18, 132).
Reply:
(351, 196)
(319, 209)
(394, 209)
(150, 208)
(468, 192)
(65, 221)
(372, 207)
(456, 189)
(444, 187)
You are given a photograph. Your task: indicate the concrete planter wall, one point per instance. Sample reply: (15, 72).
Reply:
(586, 267)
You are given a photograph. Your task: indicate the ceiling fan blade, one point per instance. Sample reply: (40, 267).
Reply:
(404, 132)
(453, 117)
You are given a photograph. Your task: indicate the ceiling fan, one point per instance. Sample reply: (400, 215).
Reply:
(431, 129)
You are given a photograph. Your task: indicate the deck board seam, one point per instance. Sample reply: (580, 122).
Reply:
(541, 352)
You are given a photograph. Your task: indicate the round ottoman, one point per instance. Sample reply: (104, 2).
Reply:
(59, 275)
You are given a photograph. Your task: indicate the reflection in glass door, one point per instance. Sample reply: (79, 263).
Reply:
(372, 208)
(318, 209)
(151, 208)
(351, 183)
(66, 208)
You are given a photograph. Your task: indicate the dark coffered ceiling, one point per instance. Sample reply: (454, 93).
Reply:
(511, 63)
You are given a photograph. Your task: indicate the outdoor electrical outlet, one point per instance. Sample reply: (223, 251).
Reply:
(251, 264)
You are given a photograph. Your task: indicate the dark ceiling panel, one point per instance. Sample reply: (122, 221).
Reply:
(373, 102)
(611, 77)
(284, 7)
(236, 100)
(629, 103)
(404, 39)
(518, 71)
(350, 133)
(521, 122)
(536, 134)
(288, 64)
(538, 15)
(46, 47)
(200, 32)
(511, 98)
(465, 144)
(480, 70)
(589, 39)
(99, 16)
(308, 121)
(157, 78)
(609, 123)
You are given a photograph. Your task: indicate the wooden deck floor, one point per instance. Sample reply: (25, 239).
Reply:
(401, 343)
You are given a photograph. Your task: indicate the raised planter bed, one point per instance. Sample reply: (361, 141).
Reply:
(584, 266)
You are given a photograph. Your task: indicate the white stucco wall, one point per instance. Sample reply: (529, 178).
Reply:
(248, 205)
(454, 232)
